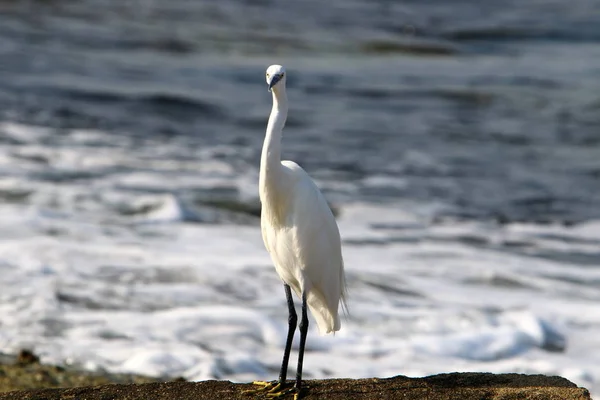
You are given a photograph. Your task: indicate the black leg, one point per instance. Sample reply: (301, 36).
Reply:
(303, 332)
(292, 321)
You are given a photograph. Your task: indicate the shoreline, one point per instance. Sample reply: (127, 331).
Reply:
(26, 378)
(24, 371)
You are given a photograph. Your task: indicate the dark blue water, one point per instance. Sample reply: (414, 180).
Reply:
(485, 110)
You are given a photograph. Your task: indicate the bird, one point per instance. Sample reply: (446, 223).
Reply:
(301, 235)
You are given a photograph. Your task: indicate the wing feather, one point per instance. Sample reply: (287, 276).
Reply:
(316, 247)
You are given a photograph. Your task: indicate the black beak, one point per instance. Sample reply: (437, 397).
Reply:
(274, 79)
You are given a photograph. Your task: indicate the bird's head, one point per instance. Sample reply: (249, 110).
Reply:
(275, 76)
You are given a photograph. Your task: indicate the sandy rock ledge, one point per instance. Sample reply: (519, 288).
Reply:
(464, 386)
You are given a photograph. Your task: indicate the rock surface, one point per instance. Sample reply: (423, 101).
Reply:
(26, 372)
(464, 386)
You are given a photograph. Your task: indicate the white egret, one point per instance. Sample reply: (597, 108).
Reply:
(300, 234)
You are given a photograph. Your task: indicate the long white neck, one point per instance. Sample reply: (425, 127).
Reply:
(270, 160)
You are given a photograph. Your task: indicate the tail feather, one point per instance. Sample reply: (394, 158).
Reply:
(327, 320)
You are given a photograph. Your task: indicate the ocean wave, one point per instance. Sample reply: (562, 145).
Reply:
(521, 33)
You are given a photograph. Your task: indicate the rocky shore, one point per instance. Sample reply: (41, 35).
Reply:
(27, 379)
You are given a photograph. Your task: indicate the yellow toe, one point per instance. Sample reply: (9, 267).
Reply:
(266, 386)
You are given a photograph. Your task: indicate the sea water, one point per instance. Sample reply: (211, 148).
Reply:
(458, 145)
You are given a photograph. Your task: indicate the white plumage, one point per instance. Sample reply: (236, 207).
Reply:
(300, 234)
(304, 244)
(298, 227)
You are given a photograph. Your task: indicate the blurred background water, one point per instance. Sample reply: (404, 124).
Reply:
(458, 141)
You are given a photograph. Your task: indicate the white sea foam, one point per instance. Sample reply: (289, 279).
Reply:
(125, 275)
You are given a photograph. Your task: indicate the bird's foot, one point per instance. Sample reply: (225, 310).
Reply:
(275, 389)
(266, 387)
(280, 391)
